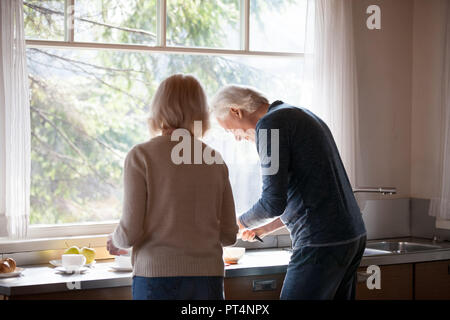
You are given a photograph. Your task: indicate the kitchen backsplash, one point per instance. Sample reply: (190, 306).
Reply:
(424, 225)
(393, 218)
(388, 218)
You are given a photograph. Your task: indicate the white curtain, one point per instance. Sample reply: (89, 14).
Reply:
(15, 121)
(335, 97)
(440, 205)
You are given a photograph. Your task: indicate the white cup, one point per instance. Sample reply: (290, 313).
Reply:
(123, 261)
(73, 262)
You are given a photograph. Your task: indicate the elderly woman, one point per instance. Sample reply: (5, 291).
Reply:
(176, 216)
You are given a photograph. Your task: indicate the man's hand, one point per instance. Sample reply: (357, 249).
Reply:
(112, 249)
(249, 234)
(262, 231)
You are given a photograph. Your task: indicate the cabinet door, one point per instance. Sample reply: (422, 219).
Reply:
(432, 280)
(118, 293)
(396, 284)
(267, 287)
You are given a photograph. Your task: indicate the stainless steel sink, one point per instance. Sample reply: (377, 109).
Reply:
(400, 246)
(374, 252)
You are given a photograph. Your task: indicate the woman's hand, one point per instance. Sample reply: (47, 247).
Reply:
(241, 228)
(112, 249)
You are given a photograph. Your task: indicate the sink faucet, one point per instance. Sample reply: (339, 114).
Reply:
(382, 190)
(436, 238)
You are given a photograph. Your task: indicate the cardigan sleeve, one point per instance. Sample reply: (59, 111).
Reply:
(130, 228)
(228, 225)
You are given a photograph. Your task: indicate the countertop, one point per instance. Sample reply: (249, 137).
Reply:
(44, 279)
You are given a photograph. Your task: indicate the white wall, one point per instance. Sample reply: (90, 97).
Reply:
(428, 55)
(400, 82)
(384, 62)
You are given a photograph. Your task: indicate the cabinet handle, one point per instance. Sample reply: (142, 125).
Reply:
(264, 285)
(448, 269)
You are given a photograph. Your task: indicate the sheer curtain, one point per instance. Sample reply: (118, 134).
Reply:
(335, 97)
(440, 205)
(15, 121)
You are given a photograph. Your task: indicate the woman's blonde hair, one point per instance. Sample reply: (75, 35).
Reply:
(179, 101)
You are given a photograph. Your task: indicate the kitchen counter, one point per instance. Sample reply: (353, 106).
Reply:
(44, 279)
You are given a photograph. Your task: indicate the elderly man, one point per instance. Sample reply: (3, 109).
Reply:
(309, 192)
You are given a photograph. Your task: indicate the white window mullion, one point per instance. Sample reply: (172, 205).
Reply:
(245, 25)
(161, 23)
(69, 20)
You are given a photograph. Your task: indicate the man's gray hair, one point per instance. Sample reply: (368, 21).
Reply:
(236, 96)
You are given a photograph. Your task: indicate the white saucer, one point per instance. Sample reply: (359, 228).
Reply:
(122, 269)
(64, 270)
(17, 272)
(58, 263)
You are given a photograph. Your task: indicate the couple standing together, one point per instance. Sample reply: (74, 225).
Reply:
(177, 217)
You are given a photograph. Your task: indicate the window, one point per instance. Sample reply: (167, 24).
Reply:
(44, 19)
(278, 25)
(115, 21)
(89, 107)
(207, 23)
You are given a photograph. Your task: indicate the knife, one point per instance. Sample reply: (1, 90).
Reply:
(258, 238)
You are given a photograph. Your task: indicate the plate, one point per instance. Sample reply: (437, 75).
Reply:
(17, 272)
(122, 269)
(64, 270)
(58, 263)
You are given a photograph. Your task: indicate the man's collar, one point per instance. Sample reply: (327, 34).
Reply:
(274, 104)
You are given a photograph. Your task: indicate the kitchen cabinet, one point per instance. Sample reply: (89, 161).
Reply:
(432, 280)
(410, 280)
(118, 293)
(396, 284)
(266, 287)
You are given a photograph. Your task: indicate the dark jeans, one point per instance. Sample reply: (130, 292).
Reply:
(323, 273)
(178, 288)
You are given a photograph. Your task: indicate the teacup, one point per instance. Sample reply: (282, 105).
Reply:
(123, 261)
(73, 262)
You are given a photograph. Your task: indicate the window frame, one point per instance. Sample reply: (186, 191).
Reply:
(161, 41)
(97, 228)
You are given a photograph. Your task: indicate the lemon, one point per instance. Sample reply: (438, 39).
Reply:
(89, 253)
(72, 250)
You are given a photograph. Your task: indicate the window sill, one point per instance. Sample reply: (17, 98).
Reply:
(40, 248)
(67, 230)
(53, 243)
(41, 251)
(442, 224)
(93, 234)
(55, 237)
